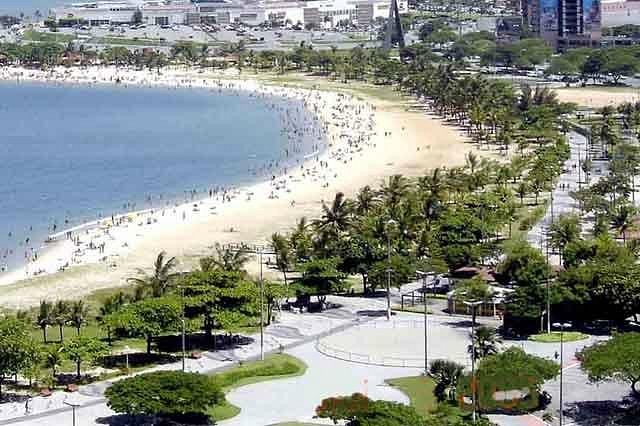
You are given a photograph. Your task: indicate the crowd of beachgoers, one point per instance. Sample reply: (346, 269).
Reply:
(320, 130)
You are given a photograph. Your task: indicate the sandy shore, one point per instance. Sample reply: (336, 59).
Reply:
(383, 138)
(595, 97)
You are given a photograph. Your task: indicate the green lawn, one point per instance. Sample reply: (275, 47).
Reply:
(279, 366)
(419, 389)
(32, 35)
(554, 337)
(122, 41)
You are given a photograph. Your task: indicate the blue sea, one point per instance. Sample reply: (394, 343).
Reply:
(28, 7)
(73, 154)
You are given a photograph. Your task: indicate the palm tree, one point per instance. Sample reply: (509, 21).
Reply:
(563, 231)
(393, 190)
(337, 218)
(45, 317)
(623, 221)
(110, 306)
(157, 284)
(53, 359)
(446, 374)
(60, 316)
(78, 313)
(282, 249)
(229, 260)
(486, 342)
(365, 200)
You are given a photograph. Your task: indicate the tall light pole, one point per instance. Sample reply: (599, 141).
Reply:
(390, 223)
(260, 251)
(424, 275)
(473, 306)
(562, 326)
(184, 351)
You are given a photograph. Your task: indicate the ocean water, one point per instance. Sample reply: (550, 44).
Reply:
(73, 154)
(28, 7)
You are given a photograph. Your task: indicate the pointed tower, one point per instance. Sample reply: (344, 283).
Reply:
(394, 28)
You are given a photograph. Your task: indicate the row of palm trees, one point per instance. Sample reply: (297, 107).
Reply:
(62, 313)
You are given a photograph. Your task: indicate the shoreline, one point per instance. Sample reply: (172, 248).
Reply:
(56, 246)
(406, 142)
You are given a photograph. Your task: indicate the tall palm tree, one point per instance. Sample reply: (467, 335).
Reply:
(78, 313)
(623, 221)
(158, 283)
(365, 200)
(229, 260)
(393, 190)
(45, 317)
(486, 342)
(335, 218)
(60, 316)
(284, 259)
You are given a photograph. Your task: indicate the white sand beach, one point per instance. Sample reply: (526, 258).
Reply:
(368, 140)
(597, 97)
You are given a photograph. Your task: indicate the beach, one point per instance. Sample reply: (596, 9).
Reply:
(598, 97)
(368, 140)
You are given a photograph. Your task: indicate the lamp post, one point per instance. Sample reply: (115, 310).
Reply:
(424, 275)
(183, 329)
(260, 251)
(561, 326)
(473, 305)
(73, 406)
(390, 223)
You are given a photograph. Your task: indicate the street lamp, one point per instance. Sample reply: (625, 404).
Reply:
(561, 326)
(390, 223)
(73, 405)
(260, 251)
(183, 329)
(424, 275)
(473, 305)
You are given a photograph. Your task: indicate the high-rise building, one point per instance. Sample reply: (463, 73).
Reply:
(564, 23)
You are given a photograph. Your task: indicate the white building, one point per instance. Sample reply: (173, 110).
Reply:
(321, 13)
(123, 11)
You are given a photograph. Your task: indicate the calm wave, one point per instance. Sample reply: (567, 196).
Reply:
(74, 154)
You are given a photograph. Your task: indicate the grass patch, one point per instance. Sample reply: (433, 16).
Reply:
(223, 411)
(280, 366)
(136, 41)
(417, 309)
(32, 35)
(419, 389)
(554, 337)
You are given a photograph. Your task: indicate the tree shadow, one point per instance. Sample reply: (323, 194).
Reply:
(596, 413)
(130, 420)
(202, 342)
(137, 359)
(373, 313)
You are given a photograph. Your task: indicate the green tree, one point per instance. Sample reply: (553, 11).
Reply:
(614, 359)
(446, 374)
(45, 317)
(320, 277)
(149, 318)
(157, 284)
(61, 316)
(564, 230)
(172, 394)
(17, 348)
(510, 370)
(78, 314)
(84, 349)
(485, 342)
